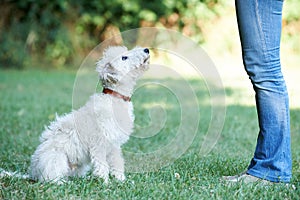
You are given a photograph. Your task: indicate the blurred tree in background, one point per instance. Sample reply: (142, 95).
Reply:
(60, 32)
(56, 32)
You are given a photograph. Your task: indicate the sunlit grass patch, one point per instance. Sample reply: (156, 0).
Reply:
(30, 99)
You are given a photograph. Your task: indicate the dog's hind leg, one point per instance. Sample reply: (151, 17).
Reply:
(116, 163)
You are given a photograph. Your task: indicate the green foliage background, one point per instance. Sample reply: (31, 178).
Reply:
(61, 32)
(52, 31)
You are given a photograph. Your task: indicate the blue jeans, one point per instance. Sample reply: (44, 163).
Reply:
(259, 23)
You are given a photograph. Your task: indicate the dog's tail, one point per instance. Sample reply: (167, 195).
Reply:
(4, 173)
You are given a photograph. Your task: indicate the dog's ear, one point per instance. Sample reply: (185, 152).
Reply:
(108, 74)
(106, 71)
(100, 66)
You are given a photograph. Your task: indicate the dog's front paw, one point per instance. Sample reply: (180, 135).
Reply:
(102, 172)
(103, 176)
(120, 176)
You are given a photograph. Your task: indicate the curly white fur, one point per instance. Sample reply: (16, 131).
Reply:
(91, 137)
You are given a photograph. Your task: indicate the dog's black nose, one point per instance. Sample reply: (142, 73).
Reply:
(146, 51)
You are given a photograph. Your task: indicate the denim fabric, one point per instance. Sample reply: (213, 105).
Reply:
(259, 23)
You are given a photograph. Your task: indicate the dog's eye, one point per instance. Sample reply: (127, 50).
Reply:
(124, 57)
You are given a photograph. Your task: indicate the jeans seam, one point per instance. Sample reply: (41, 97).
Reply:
(262, 35)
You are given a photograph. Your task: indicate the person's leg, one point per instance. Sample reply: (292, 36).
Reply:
(259, 23)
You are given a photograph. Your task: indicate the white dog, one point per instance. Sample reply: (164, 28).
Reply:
(91, 137)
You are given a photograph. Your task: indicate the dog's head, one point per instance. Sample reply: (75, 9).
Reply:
(118, 64)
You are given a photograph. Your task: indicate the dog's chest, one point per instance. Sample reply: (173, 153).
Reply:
(116, 118)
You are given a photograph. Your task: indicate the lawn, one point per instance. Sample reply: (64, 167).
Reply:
(31, 98)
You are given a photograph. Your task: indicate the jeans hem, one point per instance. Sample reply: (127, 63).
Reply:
(276, 179)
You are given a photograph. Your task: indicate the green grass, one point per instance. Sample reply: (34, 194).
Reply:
(30, 99)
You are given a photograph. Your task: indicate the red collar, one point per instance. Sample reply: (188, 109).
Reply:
(116, 94)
